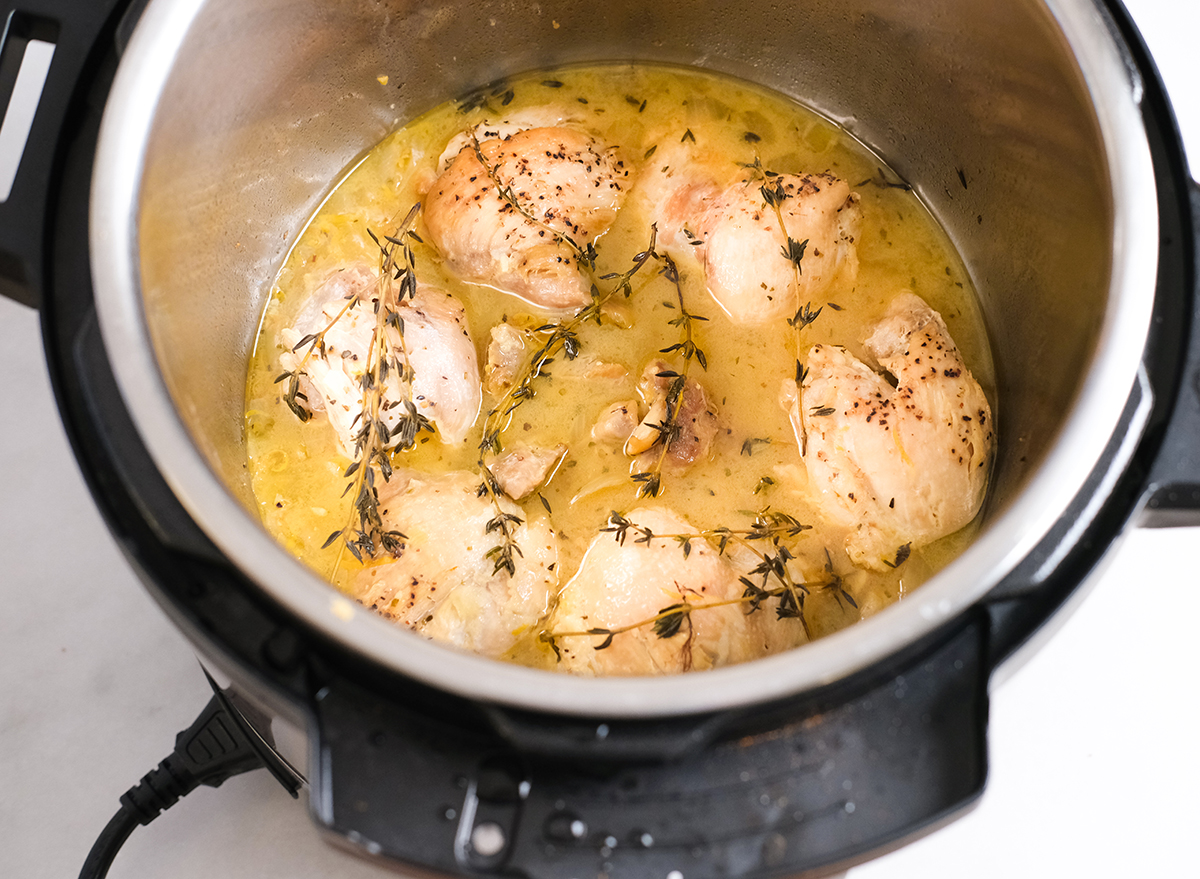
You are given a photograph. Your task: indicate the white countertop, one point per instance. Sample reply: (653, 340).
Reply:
(1095, 765)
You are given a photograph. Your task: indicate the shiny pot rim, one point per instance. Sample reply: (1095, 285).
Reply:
(1115, 90)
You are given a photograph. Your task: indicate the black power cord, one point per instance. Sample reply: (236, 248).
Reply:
(220, 744)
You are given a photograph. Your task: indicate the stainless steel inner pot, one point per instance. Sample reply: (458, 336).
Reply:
(1017, 122)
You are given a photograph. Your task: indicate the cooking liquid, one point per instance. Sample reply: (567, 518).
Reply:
(296, 468)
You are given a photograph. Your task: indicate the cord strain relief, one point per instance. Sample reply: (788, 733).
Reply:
(158, 790)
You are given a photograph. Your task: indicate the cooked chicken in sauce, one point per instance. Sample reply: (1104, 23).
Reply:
(741, 232)
(540, 419)
(621, 582)
(519, 212)
(442, 585)
(445, 385)
(897, 466)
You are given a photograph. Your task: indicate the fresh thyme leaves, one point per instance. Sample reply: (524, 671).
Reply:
(557, 338)
(902, 555)
(667, 623)
(774, 193)
(770, 579)
(687, 348)
(365, 535)
(586, 255)
(763, 484)
(505, 524)
(380, 426)
(315, 343)
(649, 480)
(881, 180)
(670, 619)
(482, 97)
(749, 444)
(793, 251)
(804, 316)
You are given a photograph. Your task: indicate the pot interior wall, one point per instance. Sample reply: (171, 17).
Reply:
(980, 106)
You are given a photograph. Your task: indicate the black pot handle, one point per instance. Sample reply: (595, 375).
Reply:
(48, 49)
(1173, 488)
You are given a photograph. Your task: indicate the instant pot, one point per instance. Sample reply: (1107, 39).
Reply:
(179, 147)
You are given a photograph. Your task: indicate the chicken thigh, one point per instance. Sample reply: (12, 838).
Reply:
(624, 582)
(444, 584)
(767, 245)
(446, 386)
(524, 222)
(897, 467)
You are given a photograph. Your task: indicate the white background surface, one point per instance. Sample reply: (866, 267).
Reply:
(1095, 764)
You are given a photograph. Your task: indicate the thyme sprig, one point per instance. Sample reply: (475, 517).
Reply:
(586, 254)
(560, 338)
(557, 339)
(364, 535)
(649, 481)
(774, 193)
(770, 579)
(770, 526)
(505, 524)
(315, 343)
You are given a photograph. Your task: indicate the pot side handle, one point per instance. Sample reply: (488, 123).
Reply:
(1172, 496)
(49, 48)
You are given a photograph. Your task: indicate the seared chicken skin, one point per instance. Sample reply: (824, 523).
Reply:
(523, 222)
(444, 585)
(897, 467)
(767, 245)
(446, 387)
(622, 583)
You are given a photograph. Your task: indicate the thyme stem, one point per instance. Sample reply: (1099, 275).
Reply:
(770, 526)
(650, 481)
(585, 255)
(562, 337)
(364, 533)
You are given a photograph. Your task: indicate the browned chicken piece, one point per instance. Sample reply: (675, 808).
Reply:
(522, 222)
(505, 357)
(524, 469)
(444, 584)
(733, 226)
(897, 467)
(696, 420)
(623, 583)
(616, 423)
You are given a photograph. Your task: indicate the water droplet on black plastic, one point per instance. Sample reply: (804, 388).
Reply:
(565, 827)
(641, 838)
